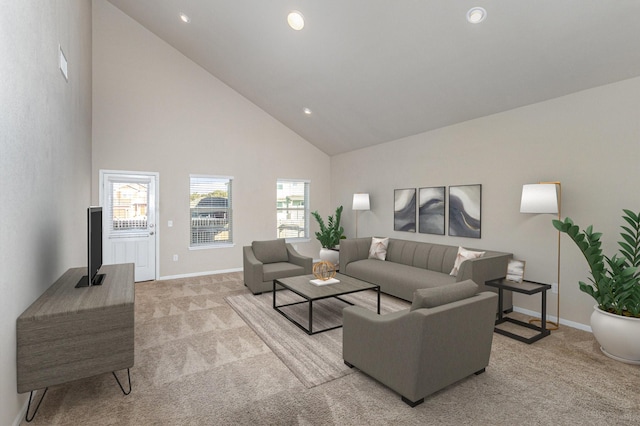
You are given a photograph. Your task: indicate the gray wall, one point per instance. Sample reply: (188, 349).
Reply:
(590, 141)
(45, 161)
(155, 110)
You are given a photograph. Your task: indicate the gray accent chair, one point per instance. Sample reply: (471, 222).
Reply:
(265, 261)
(444, 337)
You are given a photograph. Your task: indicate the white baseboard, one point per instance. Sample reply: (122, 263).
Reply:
(23, 412)
(199, 274)
(571, 324)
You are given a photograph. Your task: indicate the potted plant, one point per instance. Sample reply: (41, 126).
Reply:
(330, 235)
(615, 286)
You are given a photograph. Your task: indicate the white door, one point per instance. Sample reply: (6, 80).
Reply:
(129, 202)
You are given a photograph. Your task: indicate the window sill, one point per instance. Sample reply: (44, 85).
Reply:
(296, 240)
(213, 246)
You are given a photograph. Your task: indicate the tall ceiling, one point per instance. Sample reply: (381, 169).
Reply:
(373, 71)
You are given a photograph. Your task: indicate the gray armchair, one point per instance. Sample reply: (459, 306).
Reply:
(265, 261)
(444, 337)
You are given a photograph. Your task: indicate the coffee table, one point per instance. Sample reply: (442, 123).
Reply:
(301, 286)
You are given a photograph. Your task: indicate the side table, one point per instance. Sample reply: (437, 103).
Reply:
(525, 287)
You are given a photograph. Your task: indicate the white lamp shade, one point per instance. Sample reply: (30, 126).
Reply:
(539, 198)
(361, 202)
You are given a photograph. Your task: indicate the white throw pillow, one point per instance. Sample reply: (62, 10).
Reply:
(464, 254)
(378, 248)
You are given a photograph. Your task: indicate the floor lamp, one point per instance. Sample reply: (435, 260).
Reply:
(544, 197)
(360, 202)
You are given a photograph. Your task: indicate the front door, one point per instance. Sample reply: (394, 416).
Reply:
(129, 232)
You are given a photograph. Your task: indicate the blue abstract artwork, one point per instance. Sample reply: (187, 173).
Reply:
(404, 210)
(464, 210)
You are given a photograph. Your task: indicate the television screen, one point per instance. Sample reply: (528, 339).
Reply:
(94, 248)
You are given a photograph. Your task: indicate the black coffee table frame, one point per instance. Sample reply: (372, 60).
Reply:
(302, 287)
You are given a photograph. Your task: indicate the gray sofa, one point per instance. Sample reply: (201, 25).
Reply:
(411, 265)
(265, 261)
(444, 337)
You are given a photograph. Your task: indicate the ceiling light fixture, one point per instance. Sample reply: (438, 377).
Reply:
(295, 20)
(185, 18)
(475, 15)
(307, 111)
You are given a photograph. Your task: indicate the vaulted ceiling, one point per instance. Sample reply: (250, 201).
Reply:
(373, 71)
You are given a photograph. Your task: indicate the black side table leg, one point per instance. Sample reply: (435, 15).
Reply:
(500, 303)
(543, 319)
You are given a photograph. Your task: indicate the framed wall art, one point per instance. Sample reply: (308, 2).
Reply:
(431, 210)
(515, 270)
(464, 210)
(404, 210)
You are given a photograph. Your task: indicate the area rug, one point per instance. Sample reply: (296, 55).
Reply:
(314, 359)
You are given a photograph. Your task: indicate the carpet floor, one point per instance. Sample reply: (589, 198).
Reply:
(197, 362)
(314, 359)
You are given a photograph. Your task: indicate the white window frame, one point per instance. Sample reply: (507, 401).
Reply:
(228, 219)
(305, 229)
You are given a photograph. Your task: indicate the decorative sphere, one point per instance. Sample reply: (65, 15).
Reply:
(324, 270)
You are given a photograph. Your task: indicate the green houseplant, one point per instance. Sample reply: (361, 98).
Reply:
(330, 234)
(615, 286)
(615, 281)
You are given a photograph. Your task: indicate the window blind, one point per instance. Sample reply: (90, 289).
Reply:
(210, 204)
(292, 210)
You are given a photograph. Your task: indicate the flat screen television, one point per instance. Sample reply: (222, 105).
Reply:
(94, 248)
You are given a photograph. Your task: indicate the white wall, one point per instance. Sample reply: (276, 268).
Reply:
(45, 161)
(155, 110)
(590, 141)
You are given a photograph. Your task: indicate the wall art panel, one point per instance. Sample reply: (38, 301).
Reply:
(464, 211)
(404, 210)
(431, 210)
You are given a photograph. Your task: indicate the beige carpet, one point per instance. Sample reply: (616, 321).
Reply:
(314, 359)
(199, 363)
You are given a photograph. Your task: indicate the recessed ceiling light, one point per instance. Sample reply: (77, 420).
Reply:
(475, 15)
(295, 20)
(185, 18)
(306, 111)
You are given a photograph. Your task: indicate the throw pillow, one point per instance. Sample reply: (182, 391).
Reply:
(378, 249)
(464, 254)
(270, 251)
(448, 293)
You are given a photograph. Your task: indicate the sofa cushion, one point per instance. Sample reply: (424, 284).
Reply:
(436, 296)
(396, 279)
(271, 251)
(464, 254)
(274, 271)
(378, 248)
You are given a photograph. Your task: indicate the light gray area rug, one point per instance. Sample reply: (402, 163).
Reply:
(198, 363)
(314, 359)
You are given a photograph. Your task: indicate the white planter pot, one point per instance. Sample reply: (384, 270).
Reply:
(617, 335)
(329, 255)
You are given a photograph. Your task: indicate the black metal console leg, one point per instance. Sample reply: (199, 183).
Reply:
(26, 416)
(119, 384)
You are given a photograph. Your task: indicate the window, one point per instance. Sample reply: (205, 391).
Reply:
(127, 208)
(211, 211)
(292, 209)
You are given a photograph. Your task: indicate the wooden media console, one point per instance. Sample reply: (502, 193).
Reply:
(71, 333)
